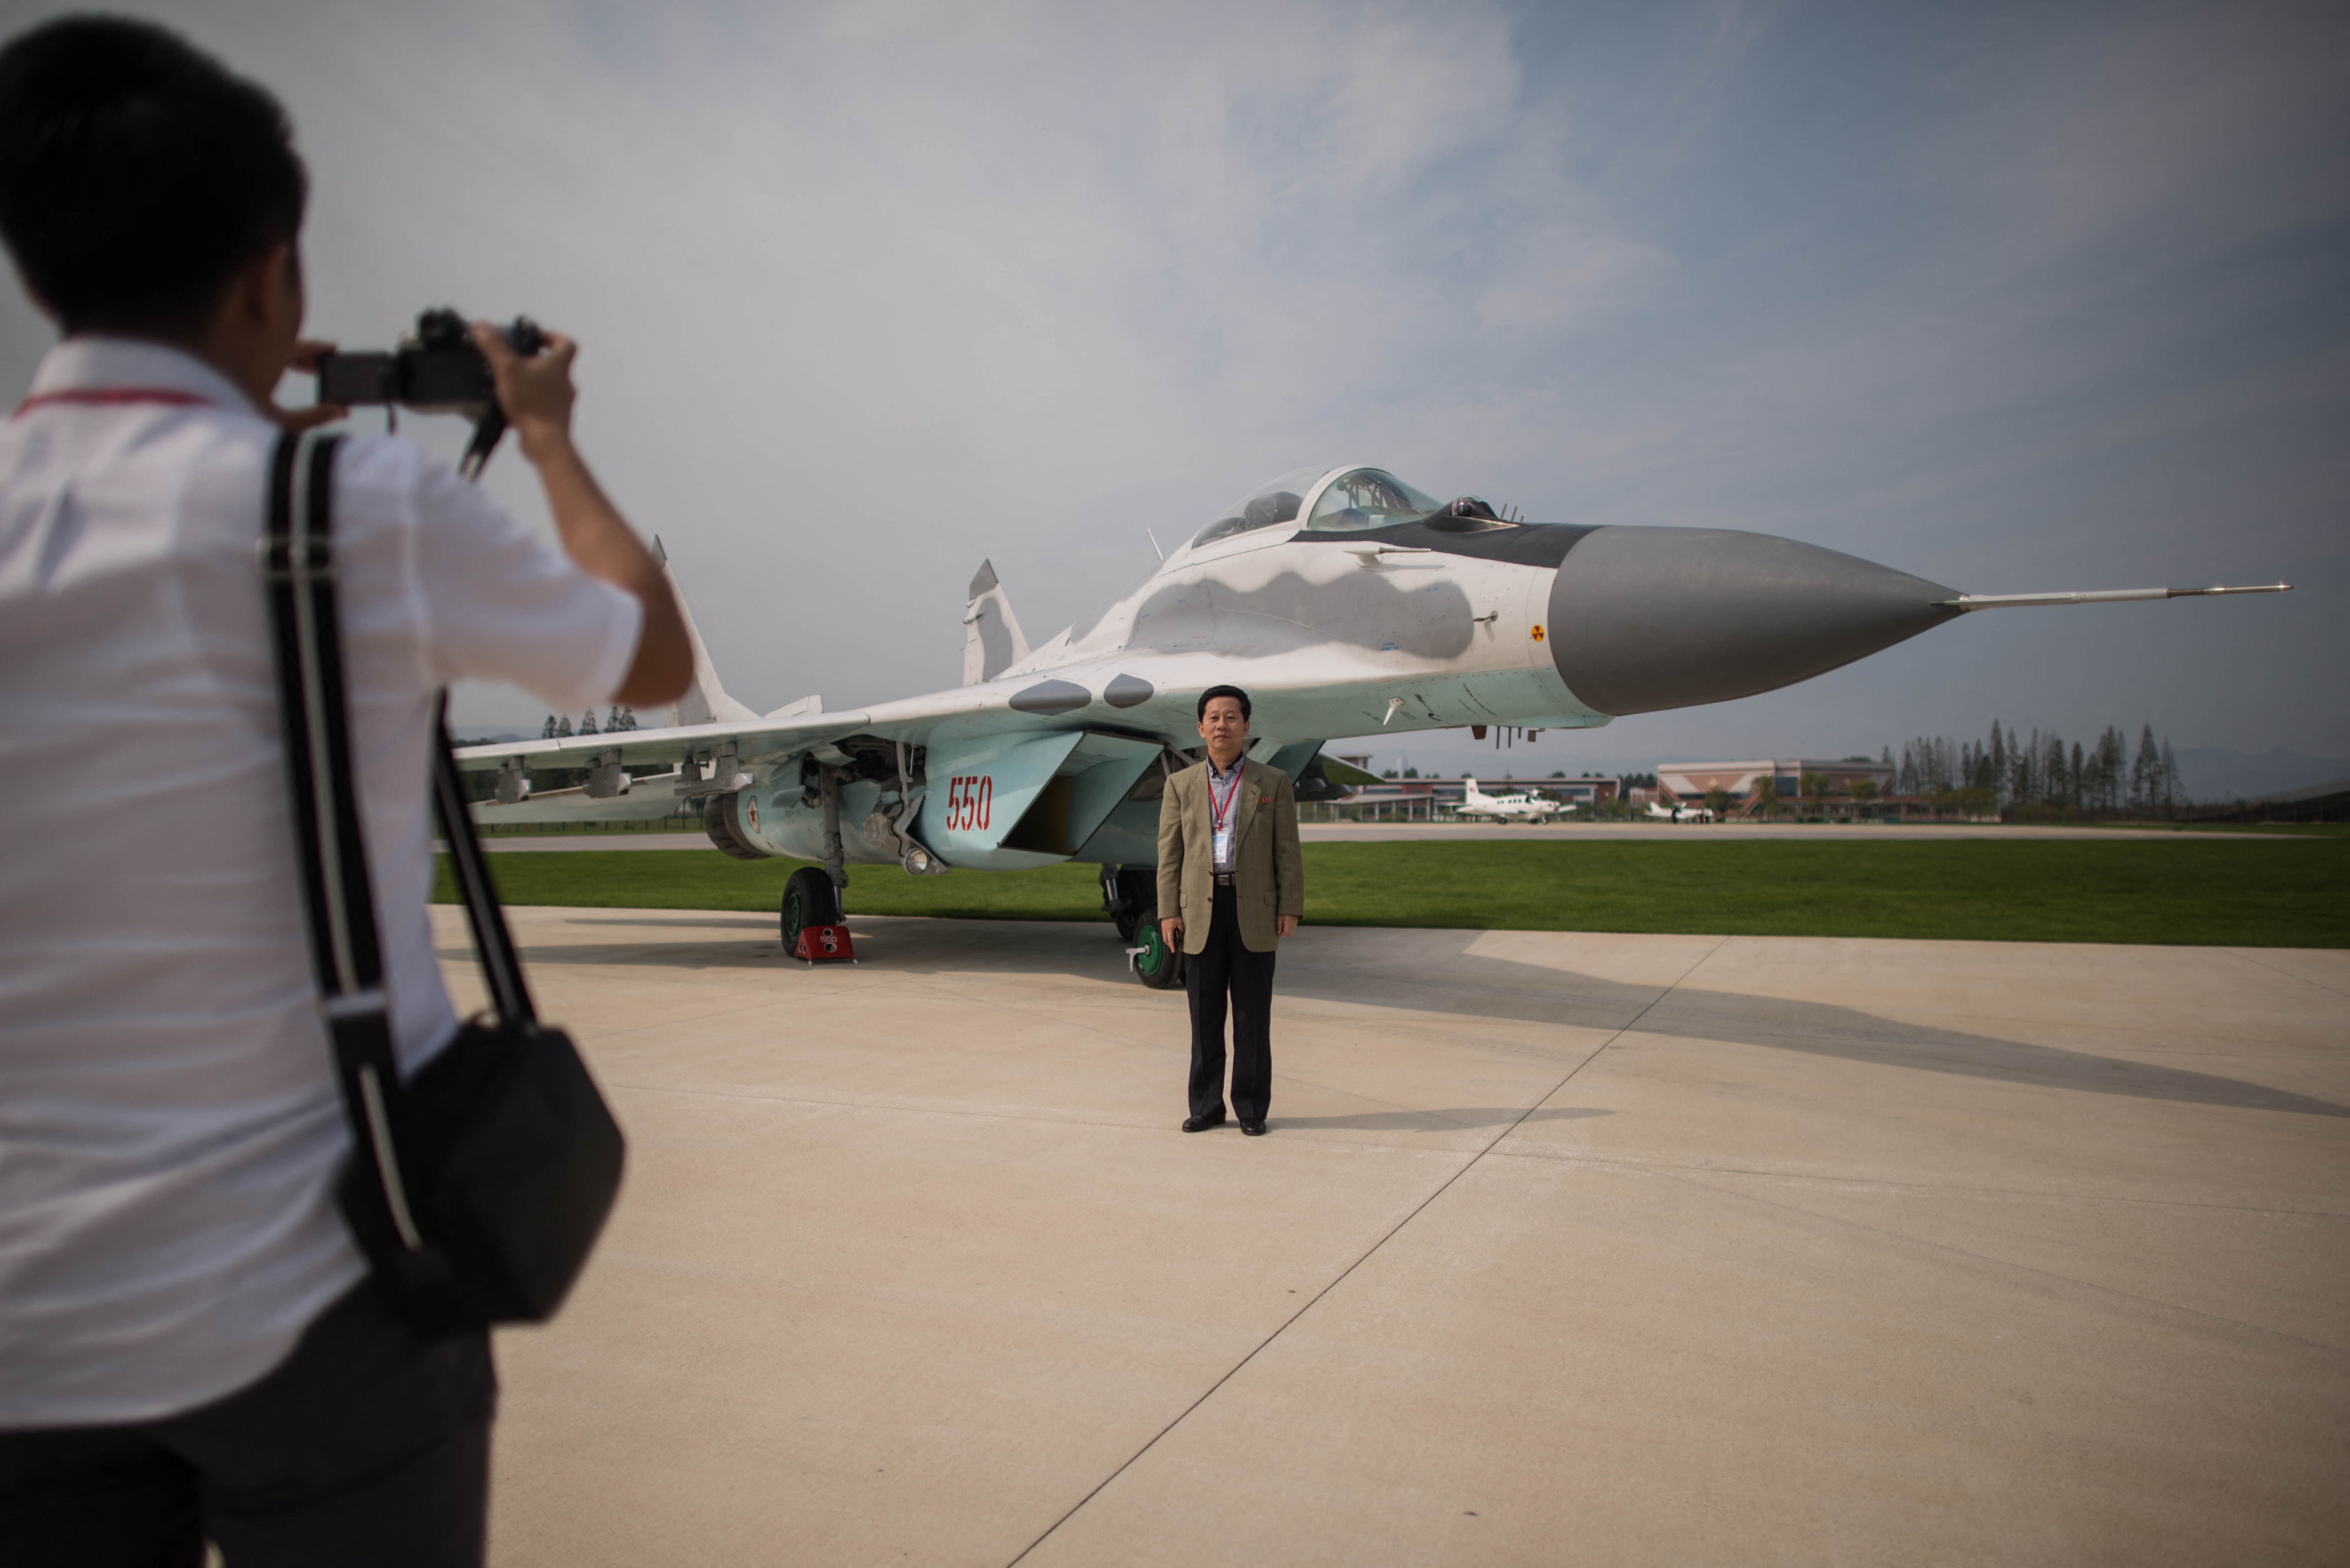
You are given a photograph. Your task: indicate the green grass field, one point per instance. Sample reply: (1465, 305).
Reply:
(2293, 893)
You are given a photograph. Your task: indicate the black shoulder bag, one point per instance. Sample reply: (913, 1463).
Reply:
(477, 1188)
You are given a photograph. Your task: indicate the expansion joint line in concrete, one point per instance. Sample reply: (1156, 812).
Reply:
(2321, 985)
(1416, 1209)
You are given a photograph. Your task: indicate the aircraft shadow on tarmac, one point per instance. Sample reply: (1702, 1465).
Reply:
(1433, 972)
(1452, 1119)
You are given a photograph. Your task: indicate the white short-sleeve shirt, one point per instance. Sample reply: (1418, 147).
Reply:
(169, 1126)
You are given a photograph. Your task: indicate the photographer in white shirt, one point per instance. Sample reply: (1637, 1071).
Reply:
(188, 1347)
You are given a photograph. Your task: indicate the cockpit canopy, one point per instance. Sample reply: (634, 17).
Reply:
(1275, 500)
(1359, 498)
(1369, 498)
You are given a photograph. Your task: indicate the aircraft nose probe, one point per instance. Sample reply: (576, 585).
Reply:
(1649, 618)
(2102, 597)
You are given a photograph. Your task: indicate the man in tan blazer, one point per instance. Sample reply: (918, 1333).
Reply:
(1231, 885)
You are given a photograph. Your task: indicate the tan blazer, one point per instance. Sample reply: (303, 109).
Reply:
(1270, 872)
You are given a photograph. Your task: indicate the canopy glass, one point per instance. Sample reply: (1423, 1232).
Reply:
(1359, 498)
(1369, 498)
(1274, 502)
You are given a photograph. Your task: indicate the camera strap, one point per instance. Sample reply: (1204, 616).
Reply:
(299, 573)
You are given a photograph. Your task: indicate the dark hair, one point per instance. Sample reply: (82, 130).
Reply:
(137, 174)
(1234, 692)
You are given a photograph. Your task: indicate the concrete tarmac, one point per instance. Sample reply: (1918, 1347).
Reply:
(1735, 832)
(1595, 832)
(1562, 1249)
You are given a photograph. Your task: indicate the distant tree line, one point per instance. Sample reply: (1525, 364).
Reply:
(2037, 777)
(620, 718)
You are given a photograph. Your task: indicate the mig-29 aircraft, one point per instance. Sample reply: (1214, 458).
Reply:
(1518, 806)
(1344, 601)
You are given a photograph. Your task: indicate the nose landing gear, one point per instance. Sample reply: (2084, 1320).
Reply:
(1131, 894)
(1127, 890)
(1155, 963)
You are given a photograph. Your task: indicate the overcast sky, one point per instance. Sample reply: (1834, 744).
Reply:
(2013, 297)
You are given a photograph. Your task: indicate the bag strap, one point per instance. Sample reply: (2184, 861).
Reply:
(297, 570)
(492, 943)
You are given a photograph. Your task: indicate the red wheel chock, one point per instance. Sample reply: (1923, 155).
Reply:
(825, 944)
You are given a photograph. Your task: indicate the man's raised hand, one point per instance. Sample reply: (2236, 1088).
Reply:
(535, 391)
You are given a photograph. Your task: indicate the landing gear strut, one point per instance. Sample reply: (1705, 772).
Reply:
(1126, 889)
(835, 857)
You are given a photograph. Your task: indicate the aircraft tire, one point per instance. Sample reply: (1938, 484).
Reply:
(1157, 966)
(809, 900)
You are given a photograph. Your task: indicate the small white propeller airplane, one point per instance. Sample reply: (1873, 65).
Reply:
(1518, 806)
(1342, 599)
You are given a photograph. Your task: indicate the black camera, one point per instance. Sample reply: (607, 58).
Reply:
(436, 370)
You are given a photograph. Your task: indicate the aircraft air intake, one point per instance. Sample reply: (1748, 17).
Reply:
(1649, 618)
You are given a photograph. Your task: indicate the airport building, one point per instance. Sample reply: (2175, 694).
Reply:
(1847, 788)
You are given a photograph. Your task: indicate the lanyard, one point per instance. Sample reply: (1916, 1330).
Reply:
(110, 396)
(1218, 810)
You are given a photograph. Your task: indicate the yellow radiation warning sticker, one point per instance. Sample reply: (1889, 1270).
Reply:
(1537, 631)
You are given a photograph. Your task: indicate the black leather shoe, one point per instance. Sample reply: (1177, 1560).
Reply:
(1253, 1129)
(1201, 1124)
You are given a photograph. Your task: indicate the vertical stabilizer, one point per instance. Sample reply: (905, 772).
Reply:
(992, 643)
(705, 701)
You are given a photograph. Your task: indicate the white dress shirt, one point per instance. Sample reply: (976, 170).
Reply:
(1222, 841)
(170, 1127)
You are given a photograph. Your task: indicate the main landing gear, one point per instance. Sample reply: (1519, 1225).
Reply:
(809, 900)
(812, 895)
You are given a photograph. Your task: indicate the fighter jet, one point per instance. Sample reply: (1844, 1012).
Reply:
(1518, 806)
(1343, 600)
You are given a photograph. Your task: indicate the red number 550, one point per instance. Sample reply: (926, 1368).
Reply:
(968, 800)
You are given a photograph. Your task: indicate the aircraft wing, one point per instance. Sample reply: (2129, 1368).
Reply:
(1012, 745)
(759, 737)
(1003, 706)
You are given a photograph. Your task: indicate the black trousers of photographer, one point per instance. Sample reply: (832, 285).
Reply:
(1225, 967)
(366, 1448)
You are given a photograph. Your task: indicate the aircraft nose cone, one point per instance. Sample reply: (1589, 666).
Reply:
(1647, 619)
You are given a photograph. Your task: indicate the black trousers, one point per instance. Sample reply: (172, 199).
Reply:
(366, 1446)
(1226, 967)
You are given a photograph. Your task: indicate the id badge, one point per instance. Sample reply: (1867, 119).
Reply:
(1225, 845)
